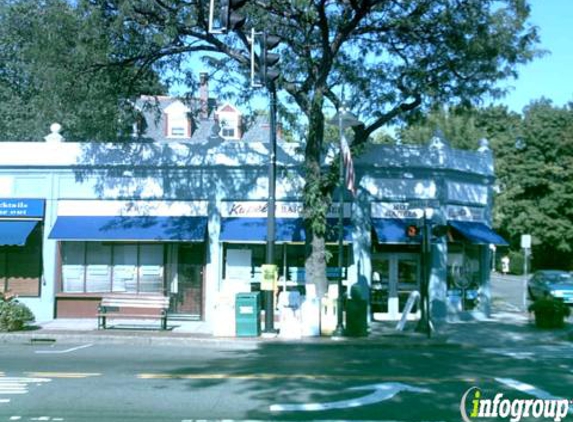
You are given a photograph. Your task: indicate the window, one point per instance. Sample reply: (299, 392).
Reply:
(178, 131)
(228, 132)
(21, 266)
(96, 267)
(244, 261)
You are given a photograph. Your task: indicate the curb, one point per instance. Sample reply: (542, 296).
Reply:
(60, 337)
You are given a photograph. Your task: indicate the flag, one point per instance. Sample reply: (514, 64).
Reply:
(348, 165)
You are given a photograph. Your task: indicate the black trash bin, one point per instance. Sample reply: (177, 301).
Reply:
(248, 314)
(356, 314)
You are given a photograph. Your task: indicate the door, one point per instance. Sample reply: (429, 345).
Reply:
(394, 277)
(187, 300)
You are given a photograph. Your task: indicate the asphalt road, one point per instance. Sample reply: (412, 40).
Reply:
(271, 381)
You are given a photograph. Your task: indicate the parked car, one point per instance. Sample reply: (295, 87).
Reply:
(558, 284)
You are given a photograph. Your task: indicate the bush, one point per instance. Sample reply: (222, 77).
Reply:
(549, 312)
(13, 314)
(516, 262)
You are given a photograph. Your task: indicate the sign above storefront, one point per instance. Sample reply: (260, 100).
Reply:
(396, 210)
(464, 213)
(258, 209)
(135, 208)
(21, 208)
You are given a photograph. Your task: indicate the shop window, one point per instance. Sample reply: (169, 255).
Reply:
(73, 270)
(244, 262)
(21, 266)
(98, 267)
(125, 268)
(95, 267)
(463, 266)
(150, 268)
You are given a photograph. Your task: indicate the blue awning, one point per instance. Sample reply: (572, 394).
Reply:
(393, 230)
(240, 229)
(15, 233)
(186, 229)
(478, 233)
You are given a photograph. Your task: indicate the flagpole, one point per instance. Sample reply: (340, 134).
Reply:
(339, 330)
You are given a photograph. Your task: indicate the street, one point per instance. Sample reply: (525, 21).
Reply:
(397, 380)
(160, 383)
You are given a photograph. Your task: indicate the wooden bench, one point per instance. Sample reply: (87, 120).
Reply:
(133, 306)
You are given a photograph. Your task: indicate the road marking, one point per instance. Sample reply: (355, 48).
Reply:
(17, 386)
(267, 376)
(381, 392)
(531, 390)
(73, 349)
(63, 374)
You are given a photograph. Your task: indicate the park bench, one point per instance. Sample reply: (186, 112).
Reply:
(132, 307)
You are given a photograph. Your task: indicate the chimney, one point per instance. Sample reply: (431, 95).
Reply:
(204, 94)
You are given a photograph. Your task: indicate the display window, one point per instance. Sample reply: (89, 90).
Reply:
(21, 266)
(90, 267)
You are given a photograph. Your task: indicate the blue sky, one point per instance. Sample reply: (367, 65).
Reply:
(548, 76)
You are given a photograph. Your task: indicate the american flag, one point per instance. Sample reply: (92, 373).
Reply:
(348, 165)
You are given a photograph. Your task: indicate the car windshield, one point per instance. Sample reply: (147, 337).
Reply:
(559, 278)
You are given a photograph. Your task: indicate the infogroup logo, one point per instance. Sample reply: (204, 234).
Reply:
(514, 409)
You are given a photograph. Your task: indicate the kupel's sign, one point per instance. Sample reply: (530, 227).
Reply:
(21, 208)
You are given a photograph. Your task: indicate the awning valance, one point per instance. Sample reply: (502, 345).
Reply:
(15, 233)
(478, 233)
(122, 228)
(243, 229)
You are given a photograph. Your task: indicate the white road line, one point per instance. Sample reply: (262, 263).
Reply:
(73, 349)
(4, 400)
(531, 390)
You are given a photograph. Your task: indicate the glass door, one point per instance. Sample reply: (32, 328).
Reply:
(394, 277)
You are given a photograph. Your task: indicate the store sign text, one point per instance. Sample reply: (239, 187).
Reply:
(21, 208)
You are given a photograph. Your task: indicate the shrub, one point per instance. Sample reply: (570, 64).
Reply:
(549, 312)
(13, 314)
(516, 262)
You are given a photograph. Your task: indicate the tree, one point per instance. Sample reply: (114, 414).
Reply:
(386, 57)
(535, 169)
(457, 124)
(48, 51)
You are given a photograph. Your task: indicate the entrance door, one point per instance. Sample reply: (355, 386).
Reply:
(188, 298)
(394, 277)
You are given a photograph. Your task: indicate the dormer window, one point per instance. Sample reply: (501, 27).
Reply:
(230, 122)
(178, 124)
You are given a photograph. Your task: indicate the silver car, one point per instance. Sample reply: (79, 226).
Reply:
(558, 284)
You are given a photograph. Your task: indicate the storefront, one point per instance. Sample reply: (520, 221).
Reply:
(243, 242)
(189, 221)
(132, 247)
(21, 230)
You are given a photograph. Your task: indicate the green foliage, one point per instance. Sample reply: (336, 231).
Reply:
(14, 315)
(52, 69)
(384, 58)
(516, 261)
(535, 169)
(549, 312)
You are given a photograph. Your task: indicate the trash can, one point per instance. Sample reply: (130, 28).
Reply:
(247, 314)
(356, 314)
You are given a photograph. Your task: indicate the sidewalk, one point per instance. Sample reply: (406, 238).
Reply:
(502, 329)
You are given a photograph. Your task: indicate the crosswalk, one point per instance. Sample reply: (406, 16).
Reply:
(14, 386)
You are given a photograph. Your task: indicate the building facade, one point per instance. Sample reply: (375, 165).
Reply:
(188, 220)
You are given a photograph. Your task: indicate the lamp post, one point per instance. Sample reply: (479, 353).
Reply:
(344, 119)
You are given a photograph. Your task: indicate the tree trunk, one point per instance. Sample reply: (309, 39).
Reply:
(316, 200)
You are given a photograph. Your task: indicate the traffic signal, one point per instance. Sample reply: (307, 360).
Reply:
(412, 231)
(267, 59)
(230, 17)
